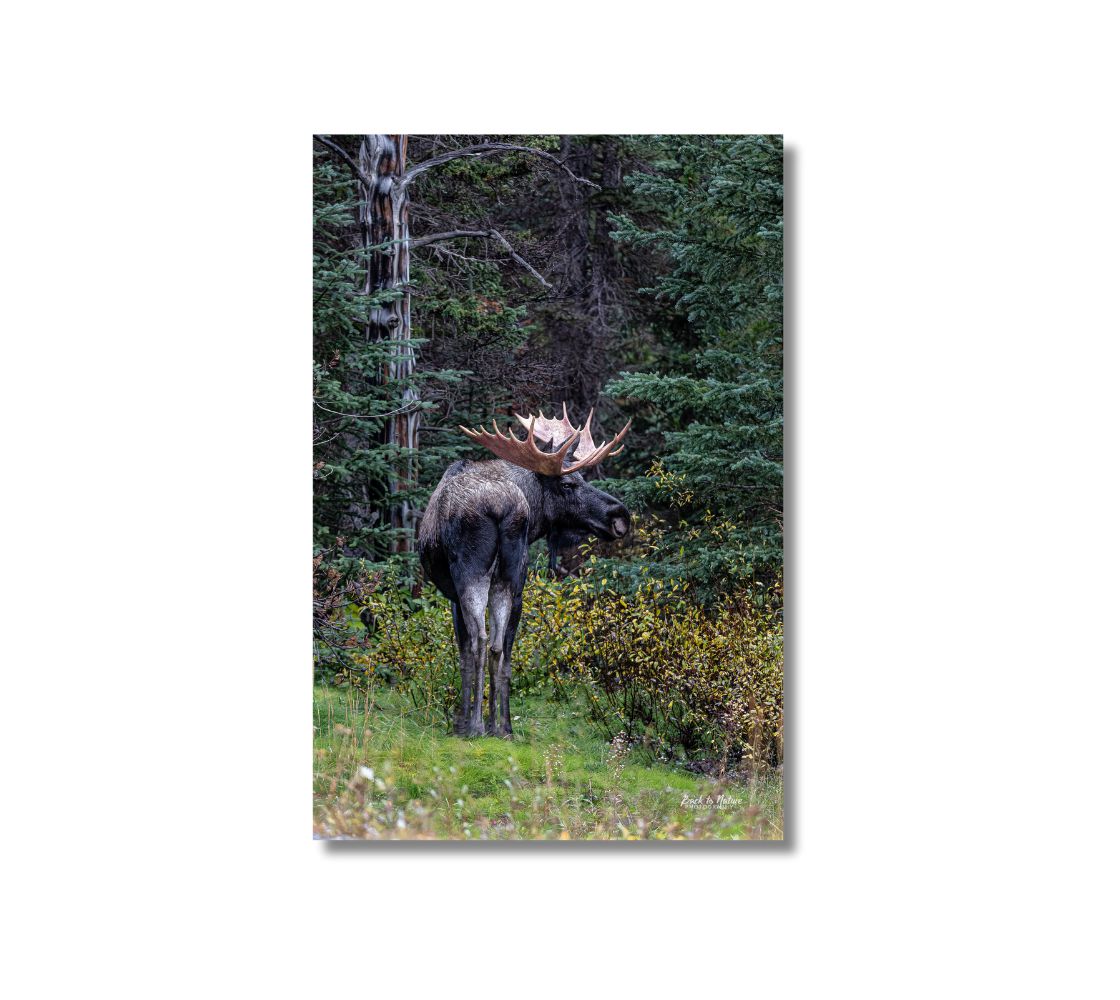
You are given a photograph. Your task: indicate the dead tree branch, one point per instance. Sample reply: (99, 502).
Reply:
(490, 234)
(346, 157)
(491, 149)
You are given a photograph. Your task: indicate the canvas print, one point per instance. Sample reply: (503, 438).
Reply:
(548, 487)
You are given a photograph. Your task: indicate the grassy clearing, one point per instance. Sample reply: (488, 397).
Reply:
(386, 771)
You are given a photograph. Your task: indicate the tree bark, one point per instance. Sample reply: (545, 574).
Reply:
(584, 341)
(384, 222)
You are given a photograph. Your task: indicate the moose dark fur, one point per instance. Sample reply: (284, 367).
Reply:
(475, 535)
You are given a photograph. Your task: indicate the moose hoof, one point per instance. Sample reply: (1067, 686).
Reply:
(468, 727)
(501, 732)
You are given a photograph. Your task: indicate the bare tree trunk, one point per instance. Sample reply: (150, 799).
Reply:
(586, 337)
(384, 221)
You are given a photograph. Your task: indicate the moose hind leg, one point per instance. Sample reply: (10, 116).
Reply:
(500, 671)
(506, 725)
(505, 607)
(501, 608)
(466, 670)
(493, 694)
(472, 652)
(499, 615)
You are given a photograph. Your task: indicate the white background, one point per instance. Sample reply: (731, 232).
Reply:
(952, 430)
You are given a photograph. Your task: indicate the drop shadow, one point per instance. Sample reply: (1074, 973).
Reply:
(348, 847)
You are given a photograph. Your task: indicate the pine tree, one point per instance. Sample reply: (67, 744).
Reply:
(359, 384)
(712, 409)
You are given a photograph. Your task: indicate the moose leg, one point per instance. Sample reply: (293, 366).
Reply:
(500, 671)
(505, 611)
(507, 661)
(475, 727)
(499, 695)
(501, 604)
(472, 587)
(473, 606)
(493, 695)
(466, 670)
(498, 614)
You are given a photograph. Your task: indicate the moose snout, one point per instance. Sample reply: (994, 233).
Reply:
(620, 522)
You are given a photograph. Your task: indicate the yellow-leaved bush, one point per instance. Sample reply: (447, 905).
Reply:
(703, 683)
(411, 644)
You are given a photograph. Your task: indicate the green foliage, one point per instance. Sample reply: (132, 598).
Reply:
(336, 625)
(720, 204)
(352, 395)
(714, 412)
(412, 645)
(409, 642)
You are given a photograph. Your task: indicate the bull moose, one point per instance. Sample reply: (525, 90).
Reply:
(475, 535)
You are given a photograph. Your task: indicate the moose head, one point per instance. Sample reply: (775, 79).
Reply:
(572, 507)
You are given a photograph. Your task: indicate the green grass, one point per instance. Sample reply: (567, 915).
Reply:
(385, 770)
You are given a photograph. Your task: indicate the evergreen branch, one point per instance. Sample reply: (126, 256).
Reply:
(347, 158)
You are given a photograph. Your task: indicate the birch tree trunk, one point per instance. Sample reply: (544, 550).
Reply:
(384, 222)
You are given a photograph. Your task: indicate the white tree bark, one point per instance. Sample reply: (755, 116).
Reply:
(384, 220)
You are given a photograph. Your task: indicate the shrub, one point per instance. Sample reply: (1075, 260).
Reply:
(336, 627)
(412, 645)
(687, 681)
(684, 680)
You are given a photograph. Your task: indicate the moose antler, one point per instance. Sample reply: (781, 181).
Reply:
(548, 431)
(551, 431)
